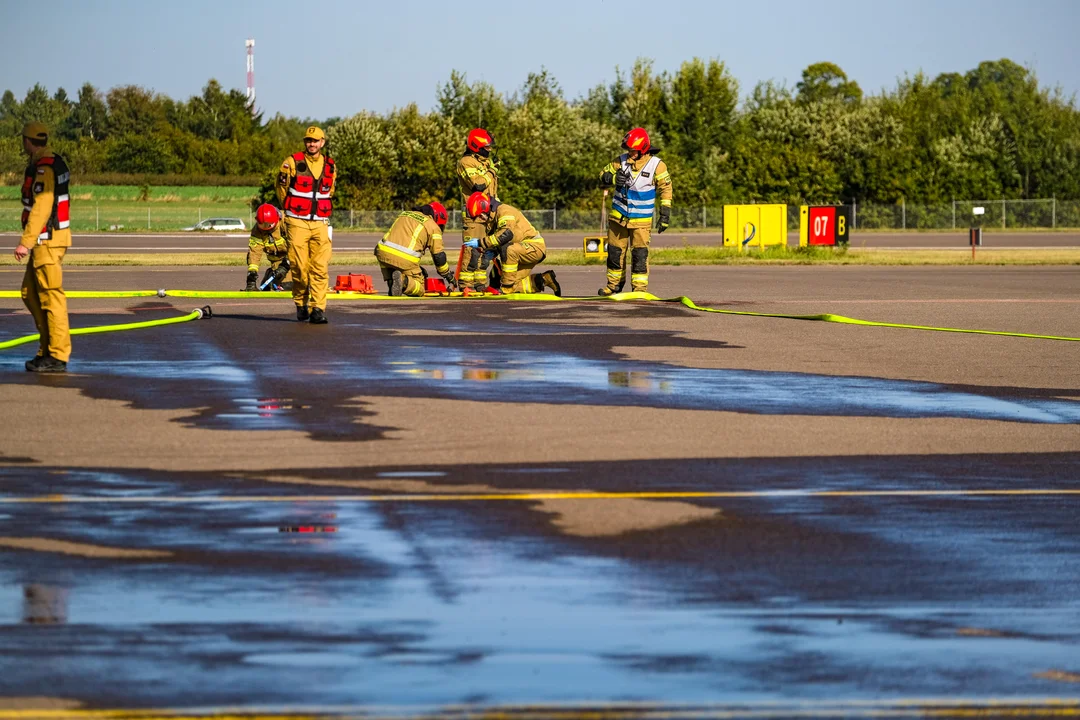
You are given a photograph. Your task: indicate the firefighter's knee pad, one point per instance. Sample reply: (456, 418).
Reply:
(639, 260)
(614, 257)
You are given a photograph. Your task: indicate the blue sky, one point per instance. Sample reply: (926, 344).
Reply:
(332, 58)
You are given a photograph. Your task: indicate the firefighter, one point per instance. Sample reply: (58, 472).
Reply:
(267, 237)
(476, 173)
(46, 236)
(508, 233)
(638, 176)
(401, 248)
(305, 190)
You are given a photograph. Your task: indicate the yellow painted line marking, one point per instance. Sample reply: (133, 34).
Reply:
(531, 496)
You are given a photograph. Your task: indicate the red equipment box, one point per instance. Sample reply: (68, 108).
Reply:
(355, 282)
(434, 285)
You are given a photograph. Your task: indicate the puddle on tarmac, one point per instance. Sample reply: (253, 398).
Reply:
(542, 377)
(459, 615)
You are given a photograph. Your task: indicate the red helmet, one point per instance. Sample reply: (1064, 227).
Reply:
(637, 139)
(477, 204)
(267, 214)
(478, 140)
(438, 213)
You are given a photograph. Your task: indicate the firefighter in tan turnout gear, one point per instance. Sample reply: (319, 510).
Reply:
(305, 189)
(638, 177)
(519, 247)
(46, 236)
(267, 238)
(399, 252)
(476, 173)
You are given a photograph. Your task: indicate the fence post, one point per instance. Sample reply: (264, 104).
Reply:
(97, 217)
(1053, 213)
(554, 217)
(854, 213)
(903, 213)
(352, 218)
(1002, 213)
(147, 218)
(953, 214)
(704, 217)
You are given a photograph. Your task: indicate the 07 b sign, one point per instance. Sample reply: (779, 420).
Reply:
(824, 224)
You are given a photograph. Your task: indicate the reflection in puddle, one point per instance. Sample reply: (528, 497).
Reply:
(540, 377)
(44, 605)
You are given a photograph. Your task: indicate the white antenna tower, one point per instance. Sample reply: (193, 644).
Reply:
(250, 45)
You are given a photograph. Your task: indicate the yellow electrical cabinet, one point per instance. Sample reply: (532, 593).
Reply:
(755, 225)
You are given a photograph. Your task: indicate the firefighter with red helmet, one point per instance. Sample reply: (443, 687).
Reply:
(413, 233)
(639, 178)
(305, 189)
(267, 238)
(46, 236)
(508, 233)
(476, 172)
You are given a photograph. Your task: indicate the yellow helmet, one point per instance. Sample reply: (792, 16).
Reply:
(35, 131)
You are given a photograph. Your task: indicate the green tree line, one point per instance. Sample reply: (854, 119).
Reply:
(991, 132)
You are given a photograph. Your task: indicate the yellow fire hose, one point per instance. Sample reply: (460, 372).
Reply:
(203, 312)
(620, 297)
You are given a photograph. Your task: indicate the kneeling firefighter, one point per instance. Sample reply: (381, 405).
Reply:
(401, 248)
(638, 176)
(476, 173)
(267, 238)
(517, 243)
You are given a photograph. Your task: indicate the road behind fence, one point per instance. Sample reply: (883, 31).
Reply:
(163, 216)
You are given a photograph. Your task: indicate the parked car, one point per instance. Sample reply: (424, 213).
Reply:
(218, 224)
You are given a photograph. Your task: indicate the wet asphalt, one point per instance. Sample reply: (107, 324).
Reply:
(494, 504)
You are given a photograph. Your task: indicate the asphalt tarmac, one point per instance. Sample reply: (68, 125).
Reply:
(362, 242)
(452, 507)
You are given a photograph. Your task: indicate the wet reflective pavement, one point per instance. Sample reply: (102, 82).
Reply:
(426, 575)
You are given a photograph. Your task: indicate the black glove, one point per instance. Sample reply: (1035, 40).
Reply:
(478, 187)
(623, 178)
(606, 179)
(448, 278)
(665, 219)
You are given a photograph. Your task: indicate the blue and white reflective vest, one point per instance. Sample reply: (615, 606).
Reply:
(638, 201)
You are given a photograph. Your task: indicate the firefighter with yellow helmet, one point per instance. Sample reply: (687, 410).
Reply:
(267, 238)
(46, 236)
(507, 232)
(638, 176)
(476, 172)
(305, 189)
(413, 233)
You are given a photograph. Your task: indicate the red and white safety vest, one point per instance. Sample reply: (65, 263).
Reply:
(60, 217)
(309, 196)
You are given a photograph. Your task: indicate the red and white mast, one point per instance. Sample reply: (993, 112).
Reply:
(250, 45)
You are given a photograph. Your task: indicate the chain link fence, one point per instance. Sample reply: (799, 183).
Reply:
(956, 215)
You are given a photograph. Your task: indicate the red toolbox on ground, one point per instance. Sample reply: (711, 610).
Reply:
(434, 285)
(355, 282)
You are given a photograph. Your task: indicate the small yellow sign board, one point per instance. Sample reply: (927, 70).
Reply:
(596, 247)
(755, 226)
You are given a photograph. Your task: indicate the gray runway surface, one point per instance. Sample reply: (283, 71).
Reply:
(346, 241)
(494, 503)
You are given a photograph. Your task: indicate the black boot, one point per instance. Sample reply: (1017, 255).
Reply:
(302, 313)
(32, 363)
(396, 284)
(252, 282)
(48, 364)
(549, 280)
(318, 317)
